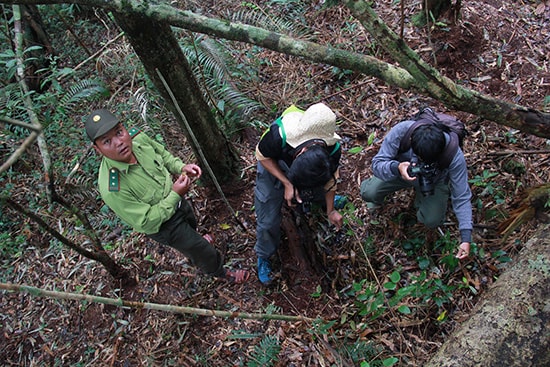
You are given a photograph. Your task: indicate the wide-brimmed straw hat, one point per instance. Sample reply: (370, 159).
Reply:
(317, 122)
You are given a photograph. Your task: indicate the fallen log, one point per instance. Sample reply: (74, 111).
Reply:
(510, 326)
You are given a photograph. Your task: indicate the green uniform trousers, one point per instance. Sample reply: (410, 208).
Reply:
(180, 233)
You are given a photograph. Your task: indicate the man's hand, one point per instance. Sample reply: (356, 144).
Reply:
(291, 195)
(192, 170)
(182, 185)
(336, 218)
(463, 250)
(403, 170)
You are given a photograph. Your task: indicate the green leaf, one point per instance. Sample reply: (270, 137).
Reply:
(389, 361)
(404, 309)
(355, 150)
(395, 277)
(371, 138)
(423, 263)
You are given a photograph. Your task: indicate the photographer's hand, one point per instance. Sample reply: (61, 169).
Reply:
(403, 170)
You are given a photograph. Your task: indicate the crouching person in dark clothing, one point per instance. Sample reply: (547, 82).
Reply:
(434, 165)
(298, 156)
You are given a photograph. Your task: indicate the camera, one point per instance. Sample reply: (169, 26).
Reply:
(426, 174)
(310, 196)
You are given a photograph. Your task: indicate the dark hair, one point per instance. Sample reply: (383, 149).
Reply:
(428, 142)
(311, 168)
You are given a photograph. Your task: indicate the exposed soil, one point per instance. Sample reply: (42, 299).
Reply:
(499, 48)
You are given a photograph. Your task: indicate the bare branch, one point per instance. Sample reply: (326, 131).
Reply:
(38, 292)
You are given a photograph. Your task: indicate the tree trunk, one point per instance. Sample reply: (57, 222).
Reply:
(418, 76)
(33, 35)
(158, 49)
(510, 326)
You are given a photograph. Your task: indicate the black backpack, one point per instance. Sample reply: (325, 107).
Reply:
(457, 132)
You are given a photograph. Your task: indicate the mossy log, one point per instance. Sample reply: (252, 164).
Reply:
(510, 326)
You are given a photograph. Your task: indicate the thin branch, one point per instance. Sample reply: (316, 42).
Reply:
(100, 256)
(11, 121)
(96, 54)
(38, 292)
(45, 226)
(44, 152)
(19, 152)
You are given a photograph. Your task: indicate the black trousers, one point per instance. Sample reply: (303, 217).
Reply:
(180, 233)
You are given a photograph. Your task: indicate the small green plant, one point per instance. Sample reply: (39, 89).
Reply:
(511, 137)
(412, 245)
(350, 217)
(265, 353)
(341, 74)
(502, 257)
(465, 284)
(489, 189)
(317, 293)
(10, 245)
(355, 150)
(447, 246)
(485, 182)
(373, 302)
(361, 351)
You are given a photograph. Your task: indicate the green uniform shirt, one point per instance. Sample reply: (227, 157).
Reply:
(141, 194)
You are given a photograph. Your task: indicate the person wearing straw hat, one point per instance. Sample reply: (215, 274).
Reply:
(298, 158)
(136, 181)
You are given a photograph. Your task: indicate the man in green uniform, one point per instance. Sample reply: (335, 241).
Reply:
(136, 182)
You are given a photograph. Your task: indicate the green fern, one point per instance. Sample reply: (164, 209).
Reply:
(279, 16)
(213, 66)
(83, 90)
(265, 353)
(361, 351)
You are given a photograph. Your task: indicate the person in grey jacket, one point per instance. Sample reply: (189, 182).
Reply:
(420, 167)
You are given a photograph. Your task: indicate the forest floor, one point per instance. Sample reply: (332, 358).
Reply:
(499, 48)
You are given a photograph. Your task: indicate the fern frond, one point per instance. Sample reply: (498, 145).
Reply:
(83, 91)
(213, 67)
(258, 19)
(282, 20)
(213, 57)
(361, 351)
(265, 354)
(10, 102)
